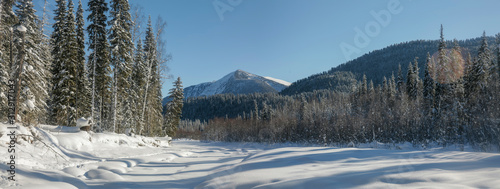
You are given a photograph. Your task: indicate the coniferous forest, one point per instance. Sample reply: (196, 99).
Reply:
(112, 75)
(450, 96)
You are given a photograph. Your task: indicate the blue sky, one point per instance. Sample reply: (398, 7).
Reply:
(293, 39)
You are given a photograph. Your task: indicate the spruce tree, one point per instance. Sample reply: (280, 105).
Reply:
(5, 38)
(65, 70)
(429, 85)
(457, 72)
(35, 74)
(121, 58)
(99, 62)
(7, 21)
(139, 85)
(443, 60)
(371, 88)
(152, 105)
(174, 108)
(83, 94)
(413, 81)
(399, 81)
(479, 74)
(409, 81)
(385, 87)
(364, 86)
(392, 87)
(57, 113)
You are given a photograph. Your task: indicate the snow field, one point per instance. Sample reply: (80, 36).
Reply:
(108, 160)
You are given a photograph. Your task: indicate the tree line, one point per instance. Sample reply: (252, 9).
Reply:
(117, 83)
(378, 64)
(456, 102)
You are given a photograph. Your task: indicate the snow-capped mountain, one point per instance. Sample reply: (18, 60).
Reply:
(237, 82)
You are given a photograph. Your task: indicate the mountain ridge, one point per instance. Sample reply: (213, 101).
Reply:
(236, 82)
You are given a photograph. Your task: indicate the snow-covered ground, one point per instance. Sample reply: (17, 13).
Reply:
(81, 160)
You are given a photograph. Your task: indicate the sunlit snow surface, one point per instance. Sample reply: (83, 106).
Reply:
(118, 161)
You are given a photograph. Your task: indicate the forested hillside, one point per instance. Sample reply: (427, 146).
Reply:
(378, 64)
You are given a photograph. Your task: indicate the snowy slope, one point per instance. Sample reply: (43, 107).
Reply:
(237, 82)
(107, 160)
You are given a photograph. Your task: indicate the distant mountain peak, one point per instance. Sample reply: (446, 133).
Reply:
(237, 82)
(240, 74)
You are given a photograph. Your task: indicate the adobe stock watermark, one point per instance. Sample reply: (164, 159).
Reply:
(362, 38)
(223, 6)
(11, 150)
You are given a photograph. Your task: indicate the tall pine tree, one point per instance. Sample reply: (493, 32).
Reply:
(99, 62)
(174, 108)
(139, 85)
(429, 89)
(409, 80)
(443, 60)
(83, 94)
(35, 74)
(479, 72)
(400, 85)
(7, 19)
(65, 67)
(121, 59)
(152, 107)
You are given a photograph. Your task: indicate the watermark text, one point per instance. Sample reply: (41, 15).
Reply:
(11, 150)
(223, 6)
(362, 38)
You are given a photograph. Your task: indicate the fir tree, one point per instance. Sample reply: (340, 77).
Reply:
(57, 113)
(139, 85)
(121, 58)
(429, 85)
(174, 108)
(392, 87)
(35, 74)
(65, 70)
(364, 86)
(409, 80)
(441, 89)
(479, 73)
(152, 97)
(5, 38)
(399, 81)
(83, 94)
(385, 86)
(7, 20)
(99, 62)
(371, 88)
(413, 81)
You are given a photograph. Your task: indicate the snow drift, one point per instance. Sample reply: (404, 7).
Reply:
(64, 157)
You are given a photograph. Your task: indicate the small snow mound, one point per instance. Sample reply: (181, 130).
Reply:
(76, 172)
(103, 174)
(84, 124)
(115, 167)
